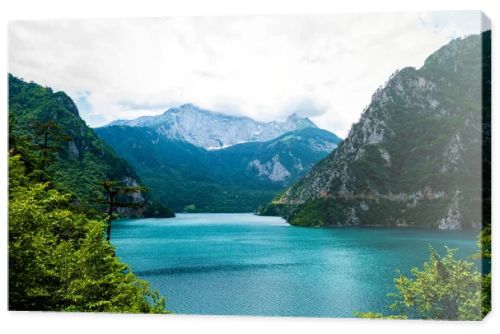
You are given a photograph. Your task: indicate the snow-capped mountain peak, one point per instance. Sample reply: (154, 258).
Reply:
(213, 130)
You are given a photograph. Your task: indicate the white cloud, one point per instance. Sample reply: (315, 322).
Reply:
(323, 66)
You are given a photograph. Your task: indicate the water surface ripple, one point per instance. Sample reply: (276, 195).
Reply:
(250, 265)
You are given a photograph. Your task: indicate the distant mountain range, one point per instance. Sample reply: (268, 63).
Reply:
(212, 130)
(418, 156)
(190, 159)
(197, 160)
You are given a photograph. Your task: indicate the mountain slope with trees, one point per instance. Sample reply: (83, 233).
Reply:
(59, 258)
(415, 156)
(238, 178)
(46, 129)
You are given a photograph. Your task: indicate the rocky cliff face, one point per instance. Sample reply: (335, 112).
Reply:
(212, 130)
(414, 157)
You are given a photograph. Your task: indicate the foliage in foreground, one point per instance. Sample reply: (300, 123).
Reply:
(484, 254)
(59, 260)
(445, 288)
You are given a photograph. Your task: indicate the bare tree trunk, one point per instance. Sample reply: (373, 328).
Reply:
(110, 217)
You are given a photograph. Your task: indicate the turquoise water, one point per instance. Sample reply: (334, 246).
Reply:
(249, 265)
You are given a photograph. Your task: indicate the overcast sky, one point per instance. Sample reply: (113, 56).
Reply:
(325, 67)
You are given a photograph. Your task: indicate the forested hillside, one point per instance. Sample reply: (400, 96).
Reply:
(415, 156)
(238, 178)
(59, 259)
(45, 128)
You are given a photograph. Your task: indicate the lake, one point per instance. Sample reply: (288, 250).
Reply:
(242, 264)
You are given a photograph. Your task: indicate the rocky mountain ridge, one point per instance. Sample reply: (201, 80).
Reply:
(213, 130)
(413, 158)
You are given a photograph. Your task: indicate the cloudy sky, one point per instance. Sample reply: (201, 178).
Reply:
(325, 67)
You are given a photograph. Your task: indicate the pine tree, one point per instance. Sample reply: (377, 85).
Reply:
(118, 196)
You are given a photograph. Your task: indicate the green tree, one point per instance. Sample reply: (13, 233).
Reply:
(48, 140)
(59, 260)
(484, 255)
(445, 288)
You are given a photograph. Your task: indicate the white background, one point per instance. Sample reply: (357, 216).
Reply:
(18, 322)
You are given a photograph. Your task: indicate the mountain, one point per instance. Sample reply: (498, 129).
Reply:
(415, 156)
(280, 160)
(212, 130)
(237, 178)
(44, 123)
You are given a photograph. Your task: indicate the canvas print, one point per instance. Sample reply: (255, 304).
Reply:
(330, 165)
